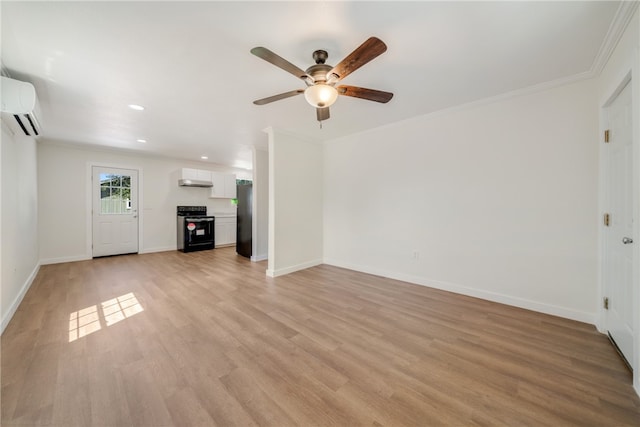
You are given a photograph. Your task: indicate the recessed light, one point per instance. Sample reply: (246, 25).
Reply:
(144, 141)
(204, 157)
(136, 107)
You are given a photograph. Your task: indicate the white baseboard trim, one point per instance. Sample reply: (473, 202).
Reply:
(293, 268)
(600, 323)
(74, 258)
(564, 312)
(159, 249)
(60, 260)
(258, 258)
(6, 318)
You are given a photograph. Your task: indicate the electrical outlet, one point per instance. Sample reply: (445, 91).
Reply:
(416, 255)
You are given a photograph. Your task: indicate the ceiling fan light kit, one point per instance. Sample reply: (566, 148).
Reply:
(321, 78)
(321, 95)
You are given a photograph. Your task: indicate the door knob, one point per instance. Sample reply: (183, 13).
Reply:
(627, 240)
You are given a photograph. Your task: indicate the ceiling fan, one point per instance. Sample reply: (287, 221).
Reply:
(321, 79)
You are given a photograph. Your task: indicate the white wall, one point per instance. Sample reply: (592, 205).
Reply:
(63, 183)
(497, 201)
(625, 61)
(19, 224)
(260, 234)
(295, 203)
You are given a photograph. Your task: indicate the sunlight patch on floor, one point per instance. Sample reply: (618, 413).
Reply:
(92, 319)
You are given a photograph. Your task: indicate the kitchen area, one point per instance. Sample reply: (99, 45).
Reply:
(65, 228)
(225, 222)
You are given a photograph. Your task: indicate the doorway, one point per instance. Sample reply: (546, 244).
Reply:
(114, 211)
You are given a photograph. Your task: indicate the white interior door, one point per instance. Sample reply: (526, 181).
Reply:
(115, 211)
(619, 246)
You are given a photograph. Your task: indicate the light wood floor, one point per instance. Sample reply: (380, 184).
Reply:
(205, 339)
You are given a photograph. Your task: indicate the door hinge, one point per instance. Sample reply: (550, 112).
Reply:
(605, 303)
(607, 219)
(606, 136)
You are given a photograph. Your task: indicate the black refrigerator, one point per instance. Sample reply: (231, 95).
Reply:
(243, 231)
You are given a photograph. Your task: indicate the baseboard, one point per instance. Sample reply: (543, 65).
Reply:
(225, 245)
(6, 318)
(75, 258)
(158, 249)
(293, 268)
(60, 260)
(258, 258)
(564, 312)
(600, 323)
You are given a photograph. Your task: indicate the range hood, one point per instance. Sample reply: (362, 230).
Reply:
(194, 183)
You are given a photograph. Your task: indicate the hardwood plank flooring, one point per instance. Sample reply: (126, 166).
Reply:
(206, 339)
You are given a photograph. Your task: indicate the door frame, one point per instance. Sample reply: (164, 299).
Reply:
(629, 77)
(89, 202)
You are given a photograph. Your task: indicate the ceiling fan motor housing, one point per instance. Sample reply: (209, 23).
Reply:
(319, 72)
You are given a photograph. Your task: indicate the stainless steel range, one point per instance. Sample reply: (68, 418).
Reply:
(195, 229)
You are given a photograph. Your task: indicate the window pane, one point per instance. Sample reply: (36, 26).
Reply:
(115, 194)
(109, 179)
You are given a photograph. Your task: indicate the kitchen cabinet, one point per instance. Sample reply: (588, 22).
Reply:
(230, 186)
(196, 174)
(225, 229)
(224, 185)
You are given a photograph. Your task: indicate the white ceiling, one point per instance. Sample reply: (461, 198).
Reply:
(189, 64)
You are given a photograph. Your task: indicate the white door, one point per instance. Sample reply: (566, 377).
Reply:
(618, 244)
(115, 211)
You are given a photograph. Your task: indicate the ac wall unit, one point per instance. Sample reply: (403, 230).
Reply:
(19, 103)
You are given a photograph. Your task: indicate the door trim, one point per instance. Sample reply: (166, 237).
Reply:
(89, 201)
(629, 77)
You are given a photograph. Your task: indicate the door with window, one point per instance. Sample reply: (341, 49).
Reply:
(115, 211)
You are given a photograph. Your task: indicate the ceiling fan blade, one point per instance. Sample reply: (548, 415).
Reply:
(278, 61)
(367, 51)
(364, 93)
(322, 113)
(278, 97)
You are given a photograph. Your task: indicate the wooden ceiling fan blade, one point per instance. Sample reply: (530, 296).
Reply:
(278, 61)
(322, 113)
(367, 51)
(278, 97)
(364, 93)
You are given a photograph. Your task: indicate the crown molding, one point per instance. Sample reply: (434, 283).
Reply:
(616, 29)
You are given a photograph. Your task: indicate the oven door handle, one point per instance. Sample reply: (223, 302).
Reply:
(199, 219)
